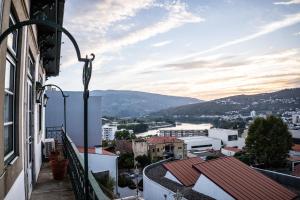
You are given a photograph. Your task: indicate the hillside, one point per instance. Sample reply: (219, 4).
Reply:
(275, 102)
(121, 103)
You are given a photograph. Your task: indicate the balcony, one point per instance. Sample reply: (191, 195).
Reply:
(72, 187)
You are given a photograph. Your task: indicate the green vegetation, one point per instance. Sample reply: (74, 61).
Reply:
(143, 160)
(268, 142)
(137, 128)
(124, 135)
(126, 161)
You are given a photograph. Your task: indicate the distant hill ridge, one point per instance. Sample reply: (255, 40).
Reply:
(280, 101)
(124, 103)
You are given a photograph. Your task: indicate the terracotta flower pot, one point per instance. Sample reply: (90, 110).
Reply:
(59, 168)
(53, 155)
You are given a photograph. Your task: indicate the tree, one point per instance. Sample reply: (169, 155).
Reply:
(122, 135)
(126, 161)
(269, 141)
(143, 160)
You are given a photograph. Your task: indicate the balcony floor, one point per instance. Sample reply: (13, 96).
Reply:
(48, 188)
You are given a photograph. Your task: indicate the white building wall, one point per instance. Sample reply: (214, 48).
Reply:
(209, 188)
(172, 178)
(223, 134)
(100, 163)
(201, 140)
(139, 148)
(17, 191)
(154, 191)
(227, 152)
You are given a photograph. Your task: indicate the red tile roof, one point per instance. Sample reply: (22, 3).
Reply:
(294, 158)
(92, 150)
(162, 140)
(296, 147)
(183, 170)
(232, 149)
(241, 181)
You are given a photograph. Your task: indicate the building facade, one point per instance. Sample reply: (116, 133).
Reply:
(158, 148)
(109, 131)
(201, 143)
(26, 59)
(229, 137)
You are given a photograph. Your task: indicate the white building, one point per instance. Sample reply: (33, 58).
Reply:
(230, 151)
(201, 143)
(253, 114)
(102, 161)
(296, 119)
(109, 131)
(229, 137)
(184, 130)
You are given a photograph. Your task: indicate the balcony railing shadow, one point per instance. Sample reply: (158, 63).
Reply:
(76, 166)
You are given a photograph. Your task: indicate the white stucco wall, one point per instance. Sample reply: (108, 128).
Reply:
(139, 148)
(227, 152)
(154, 191)
(100, 163)
(17, 191)
(172, 178)
(209, 188)
(201, 140)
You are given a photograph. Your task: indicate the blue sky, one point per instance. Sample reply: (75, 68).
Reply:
(198, 48)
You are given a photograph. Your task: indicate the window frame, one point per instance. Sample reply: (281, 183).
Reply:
(12, 58)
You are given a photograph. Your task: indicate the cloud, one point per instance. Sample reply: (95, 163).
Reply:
(287, 21)
(287, 2)
(297, 34)
(163, 43)
(92, 37)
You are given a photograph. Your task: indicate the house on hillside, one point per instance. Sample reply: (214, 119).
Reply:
(223, 178)
(158, 148)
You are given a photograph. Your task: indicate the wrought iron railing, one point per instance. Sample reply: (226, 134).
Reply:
(75, 167)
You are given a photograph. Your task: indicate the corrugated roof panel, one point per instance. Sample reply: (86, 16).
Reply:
(241, 181)
(183, 170)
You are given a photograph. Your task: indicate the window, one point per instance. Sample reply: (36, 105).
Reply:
(9, 95)
(200, 146)
(179, 147)
(232, 137)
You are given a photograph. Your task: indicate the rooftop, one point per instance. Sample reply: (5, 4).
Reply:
(183, 170)
(93, 150)
(162, 140)
(232, 149)
(296, 147)
(248, 184)
(186, 126)
(156, 172)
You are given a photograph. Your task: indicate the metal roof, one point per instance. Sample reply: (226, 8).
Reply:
(241, 181)
(183, 170)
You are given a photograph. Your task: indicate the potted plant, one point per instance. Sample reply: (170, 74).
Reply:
(59, 168)
(53, 155)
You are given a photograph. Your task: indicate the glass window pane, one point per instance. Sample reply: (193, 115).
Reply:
(8, 139)
(12, 39)
(9, 76)
(8, 108)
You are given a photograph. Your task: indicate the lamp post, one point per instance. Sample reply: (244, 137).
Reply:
(40, 89)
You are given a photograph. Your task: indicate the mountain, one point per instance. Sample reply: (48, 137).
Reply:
(122, 103)
(275, 102)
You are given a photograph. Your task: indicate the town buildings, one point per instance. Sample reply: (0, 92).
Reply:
(229, 137)
(184, 130)
(201, 143)
(158, 148)
(109, 131)
(221, 178)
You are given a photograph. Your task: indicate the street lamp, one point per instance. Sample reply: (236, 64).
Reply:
(40, 90)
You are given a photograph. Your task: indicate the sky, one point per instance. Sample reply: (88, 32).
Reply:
(204, 49)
